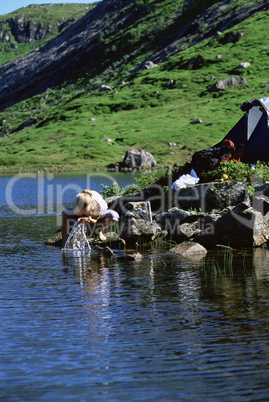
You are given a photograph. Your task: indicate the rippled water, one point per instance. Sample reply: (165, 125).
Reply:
(84, 327)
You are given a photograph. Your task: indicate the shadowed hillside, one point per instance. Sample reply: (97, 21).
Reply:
(116, 31)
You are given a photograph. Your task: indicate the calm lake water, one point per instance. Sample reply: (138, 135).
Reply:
(87, 328)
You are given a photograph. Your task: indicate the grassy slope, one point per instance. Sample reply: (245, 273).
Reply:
(143, 111)
(47, 14)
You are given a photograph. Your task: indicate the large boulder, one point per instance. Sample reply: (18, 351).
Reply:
(170, 222)
(230, 82)
(182, 225)
(135, 230)
(138, 158)
(211, 196)
(241, 227)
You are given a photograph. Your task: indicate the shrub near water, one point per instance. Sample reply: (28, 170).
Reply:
(235, 171)
(143, 180)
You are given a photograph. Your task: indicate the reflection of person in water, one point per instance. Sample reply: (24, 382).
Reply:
(89, 207)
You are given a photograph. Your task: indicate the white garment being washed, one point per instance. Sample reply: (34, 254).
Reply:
(186, 180)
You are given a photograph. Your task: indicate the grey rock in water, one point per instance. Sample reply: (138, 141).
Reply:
(182, 225)
(55, 240)
(134, 228)
(171, 223)
(132, 257)
(241, 227)
(229, 218)
(188, 248)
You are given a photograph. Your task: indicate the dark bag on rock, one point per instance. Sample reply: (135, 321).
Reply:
(210, 158)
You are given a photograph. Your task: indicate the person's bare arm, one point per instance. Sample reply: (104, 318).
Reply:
(87, 219)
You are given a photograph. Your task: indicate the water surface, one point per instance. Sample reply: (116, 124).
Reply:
(84, 327)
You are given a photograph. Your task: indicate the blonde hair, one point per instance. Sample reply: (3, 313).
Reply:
(83, 199)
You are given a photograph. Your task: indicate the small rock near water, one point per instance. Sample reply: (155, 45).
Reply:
(188, 248)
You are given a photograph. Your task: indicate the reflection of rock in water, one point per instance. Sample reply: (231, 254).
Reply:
(261, 263)
(77, 239)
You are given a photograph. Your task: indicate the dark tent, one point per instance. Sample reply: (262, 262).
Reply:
(251, 133)
(248, 142)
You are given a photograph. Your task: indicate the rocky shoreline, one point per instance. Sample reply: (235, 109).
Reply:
(193, 220)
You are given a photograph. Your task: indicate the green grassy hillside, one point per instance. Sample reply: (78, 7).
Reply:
(28, 27)
(64, 126)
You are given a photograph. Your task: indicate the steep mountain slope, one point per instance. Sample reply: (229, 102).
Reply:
(119, 31)
(26, 28)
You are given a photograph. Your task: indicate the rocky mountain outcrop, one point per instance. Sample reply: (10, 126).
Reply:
(23, 31)
(34, 23)
(82, 45)
(53, 63)
(212, 22)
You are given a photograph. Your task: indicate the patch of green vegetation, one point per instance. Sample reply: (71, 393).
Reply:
(65, 125)
(239, 171)
(146, 178)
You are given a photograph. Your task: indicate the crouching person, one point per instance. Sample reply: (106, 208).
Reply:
(88, 206)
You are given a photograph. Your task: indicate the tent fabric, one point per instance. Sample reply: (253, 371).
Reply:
(265, 103)
(252, 132)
